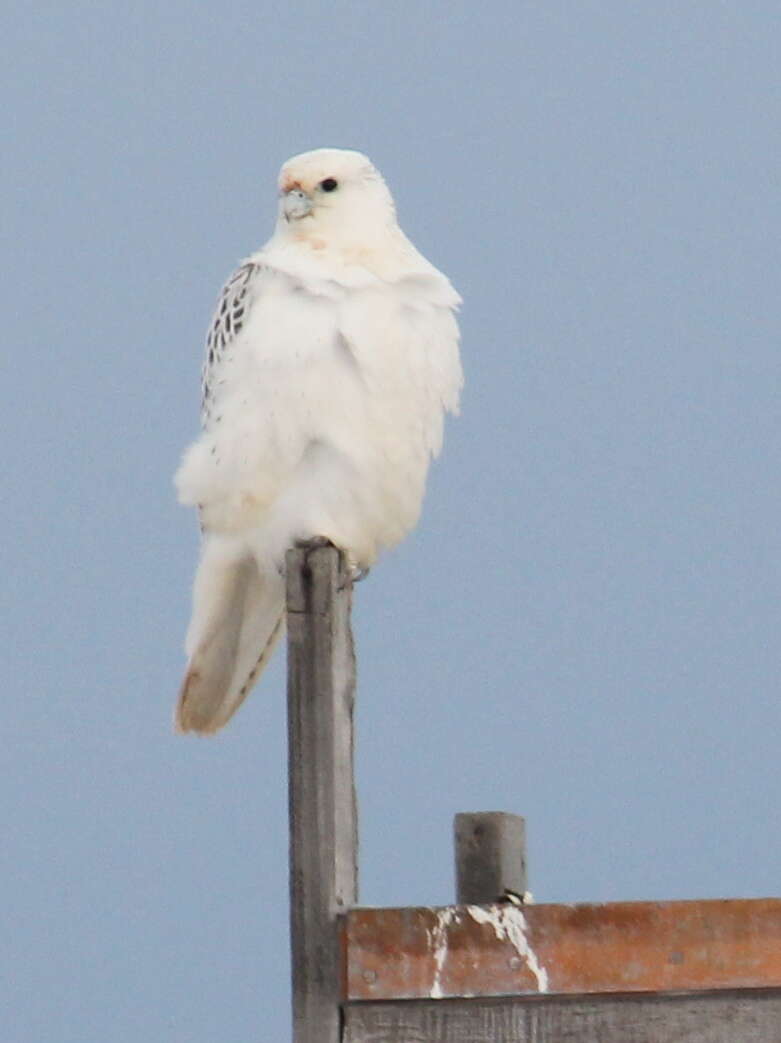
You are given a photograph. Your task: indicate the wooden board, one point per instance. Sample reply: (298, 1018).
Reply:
(323, 820)
(721, 1017)
(562, 949)
(490, 849)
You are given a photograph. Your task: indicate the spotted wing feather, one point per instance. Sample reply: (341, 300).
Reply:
(229, 318)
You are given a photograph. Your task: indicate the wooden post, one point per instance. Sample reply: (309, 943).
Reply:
(490, 849)
(323, 819)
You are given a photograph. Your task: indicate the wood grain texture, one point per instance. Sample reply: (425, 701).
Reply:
(570, 949)
(323, 819)
(725, 1017)
(490, 856)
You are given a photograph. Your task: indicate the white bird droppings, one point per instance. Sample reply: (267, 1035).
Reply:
(438, 943)
(509, 923)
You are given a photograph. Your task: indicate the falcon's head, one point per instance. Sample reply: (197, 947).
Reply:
(334, 193)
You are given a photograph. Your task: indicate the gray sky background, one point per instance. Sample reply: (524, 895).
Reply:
(584, 628)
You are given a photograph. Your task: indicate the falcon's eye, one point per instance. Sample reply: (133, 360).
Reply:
(329, 184)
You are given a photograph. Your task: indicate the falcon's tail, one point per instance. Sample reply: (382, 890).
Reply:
(238, 614)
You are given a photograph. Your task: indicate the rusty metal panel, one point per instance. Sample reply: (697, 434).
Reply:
(496, 950)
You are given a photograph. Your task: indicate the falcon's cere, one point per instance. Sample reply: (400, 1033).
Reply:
(330, 362)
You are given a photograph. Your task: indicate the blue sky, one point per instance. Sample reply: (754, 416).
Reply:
(583, 629)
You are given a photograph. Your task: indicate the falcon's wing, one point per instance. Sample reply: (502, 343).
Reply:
(232, 308)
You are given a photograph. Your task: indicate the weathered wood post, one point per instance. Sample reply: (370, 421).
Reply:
(323, 816)
(490, 851)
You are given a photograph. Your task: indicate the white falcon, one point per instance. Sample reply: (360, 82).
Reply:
(330, 362)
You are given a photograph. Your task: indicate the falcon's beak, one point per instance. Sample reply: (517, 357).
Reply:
(297, 204)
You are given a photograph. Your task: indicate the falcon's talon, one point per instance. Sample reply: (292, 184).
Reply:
(359, 572)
